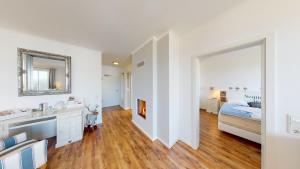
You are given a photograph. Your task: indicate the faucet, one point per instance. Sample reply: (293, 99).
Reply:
(43, 106)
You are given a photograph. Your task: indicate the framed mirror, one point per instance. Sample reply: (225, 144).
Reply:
(41, 73)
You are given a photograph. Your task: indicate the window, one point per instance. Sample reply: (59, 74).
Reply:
(40, 79)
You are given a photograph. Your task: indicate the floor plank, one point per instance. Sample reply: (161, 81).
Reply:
(118, 144)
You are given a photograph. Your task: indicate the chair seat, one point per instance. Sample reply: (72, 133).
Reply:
(91, 119)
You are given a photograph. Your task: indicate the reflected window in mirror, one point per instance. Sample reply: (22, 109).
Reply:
(43, 73)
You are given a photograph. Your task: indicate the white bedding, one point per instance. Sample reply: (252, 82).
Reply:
(255, 112)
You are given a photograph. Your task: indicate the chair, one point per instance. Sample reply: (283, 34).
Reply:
(91, 116)
(19, 153)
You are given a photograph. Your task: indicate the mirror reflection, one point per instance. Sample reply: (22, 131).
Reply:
(43, 73)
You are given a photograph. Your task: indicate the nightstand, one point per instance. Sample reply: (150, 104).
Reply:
(213, 106)
(223, 98)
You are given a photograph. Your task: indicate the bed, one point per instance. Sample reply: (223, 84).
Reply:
(238, 118)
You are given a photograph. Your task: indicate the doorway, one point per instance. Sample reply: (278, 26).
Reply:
(267, 89)
(111, 86)
(230, 106)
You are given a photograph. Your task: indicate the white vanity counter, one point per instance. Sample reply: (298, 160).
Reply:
(41, 115)
(69, 123)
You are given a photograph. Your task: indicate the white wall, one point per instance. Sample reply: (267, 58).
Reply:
(174, 88)
(86, 68)
(239, 68)
(167, 91)
(111, 85)
(161, 64)
(247, 21)
(163, 89)
(144, 87)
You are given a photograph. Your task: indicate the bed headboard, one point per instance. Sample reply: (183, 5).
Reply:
(247, 95)
(253, 96)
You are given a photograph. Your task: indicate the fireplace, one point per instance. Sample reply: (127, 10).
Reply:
(141, 107)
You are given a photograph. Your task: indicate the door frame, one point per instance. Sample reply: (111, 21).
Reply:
(268, 89)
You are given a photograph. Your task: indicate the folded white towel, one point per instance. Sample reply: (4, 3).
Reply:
(4, 131)
(10, 114)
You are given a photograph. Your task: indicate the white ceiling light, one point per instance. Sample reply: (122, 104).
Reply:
(116, 62)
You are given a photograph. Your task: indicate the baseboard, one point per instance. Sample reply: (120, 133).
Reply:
(143, 131)
(187, 142)
(125, 108)
(172, 144)
(165, 144)
(151, 138)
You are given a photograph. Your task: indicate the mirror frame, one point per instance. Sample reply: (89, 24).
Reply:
(22, 52)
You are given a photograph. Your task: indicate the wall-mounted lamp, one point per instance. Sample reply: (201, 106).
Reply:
(214, 92)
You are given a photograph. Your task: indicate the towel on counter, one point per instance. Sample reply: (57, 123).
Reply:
(4, 131)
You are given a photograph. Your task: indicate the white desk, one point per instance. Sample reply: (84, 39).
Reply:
(69, 123)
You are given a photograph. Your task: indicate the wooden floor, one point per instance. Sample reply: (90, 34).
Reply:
(118, 144)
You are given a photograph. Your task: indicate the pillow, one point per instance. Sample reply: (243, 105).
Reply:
(13, 140)
(255, 104)
(239, 102)
(237, 97)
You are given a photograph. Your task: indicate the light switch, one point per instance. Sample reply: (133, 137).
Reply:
(294, 124)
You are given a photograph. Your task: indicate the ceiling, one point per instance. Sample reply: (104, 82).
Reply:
(115, 27)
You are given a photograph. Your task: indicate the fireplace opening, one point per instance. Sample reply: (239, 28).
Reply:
(141, 108)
